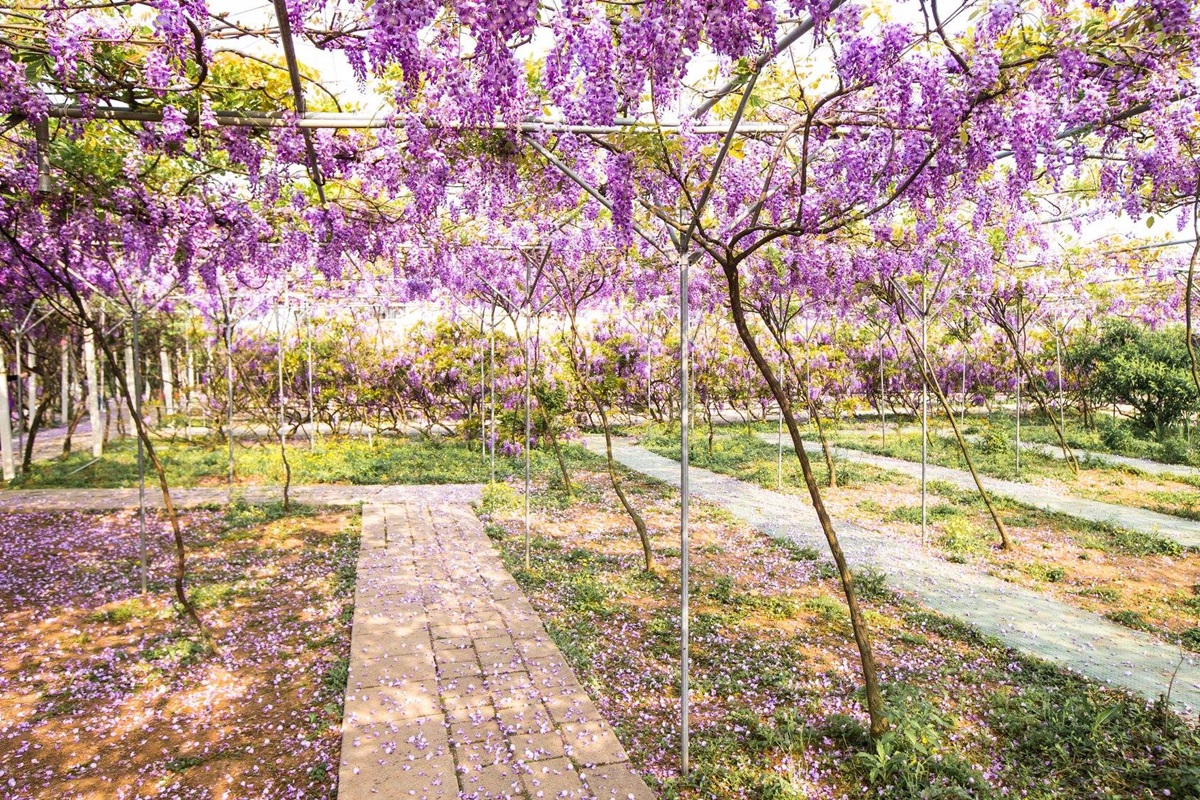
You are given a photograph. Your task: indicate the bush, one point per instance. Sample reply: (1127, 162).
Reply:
(960, 537)
(499, 497)
(871, 585)
(1115, 435)
(993, 442)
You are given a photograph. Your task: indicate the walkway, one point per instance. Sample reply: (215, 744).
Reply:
(1184, 531)
(455, 688)
(1020, 618)
(1113, 460)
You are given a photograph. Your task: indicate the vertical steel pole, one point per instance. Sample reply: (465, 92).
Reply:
(141, 457)
(20, 455)
(492, 374)
(65, 383)
(92, 377)
(649, 375)
(1062, 404)
(528, 429)
(31, 398)
(229, 391)
(964, 383)
(684, 498)
(779, 434)
(483, 391)
(882, 394)
(280, 310)
(925, 377)
(312, 420)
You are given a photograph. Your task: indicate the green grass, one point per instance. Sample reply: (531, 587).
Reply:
(745, 456)
(392, 460)
(986, 455)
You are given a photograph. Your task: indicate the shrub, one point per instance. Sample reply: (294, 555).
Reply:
(993, 442)
(871, 585)
(499, 497)
(1130, 619)
(1115, 435)
(960, 537)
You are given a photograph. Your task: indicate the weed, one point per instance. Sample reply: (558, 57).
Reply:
(871, 585)
(120, 613)
(499, 497)
(1130, 619)
(1103, 593)
(961, 537)
(335, 677)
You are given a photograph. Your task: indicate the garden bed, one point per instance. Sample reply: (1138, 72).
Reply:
(1141, 581)
(105, 693)
(777, 711)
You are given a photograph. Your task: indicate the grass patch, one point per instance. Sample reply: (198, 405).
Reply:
(336, 460)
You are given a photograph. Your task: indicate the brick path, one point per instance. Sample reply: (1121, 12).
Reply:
(455, 689)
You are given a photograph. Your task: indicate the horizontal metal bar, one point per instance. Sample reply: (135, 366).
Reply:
(334, 120)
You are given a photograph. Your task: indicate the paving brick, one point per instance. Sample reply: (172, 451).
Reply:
(592, 742)
(616, 782)
(528, 747)
(499, 642)
(449, 666)
(555, 778)
(497, 782)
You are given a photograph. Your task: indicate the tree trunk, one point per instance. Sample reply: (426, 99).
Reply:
(638, 522)
(35, 427)
(1022, 367)
(180, 567)
(932, 382)
(554, 445)
(80, 410)
(879, 721)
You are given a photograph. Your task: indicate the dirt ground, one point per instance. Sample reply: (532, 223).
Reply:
(106, 694)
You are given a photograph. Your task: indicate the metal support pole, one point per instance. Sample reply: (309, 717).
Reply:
(1062, 404)
(684, 499)
(779, 434)
(141, 457)
(92, 377)
(168, 380)
(312, 420)
(924, 415)
(20, 454)
(649, 375)
(280, 310)
(964, 383)
(528, 429)
(32, 396)
(6, 443)
(129, 381)
(229, 392)
(482, 394)
(492, 372)
(882, 394)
